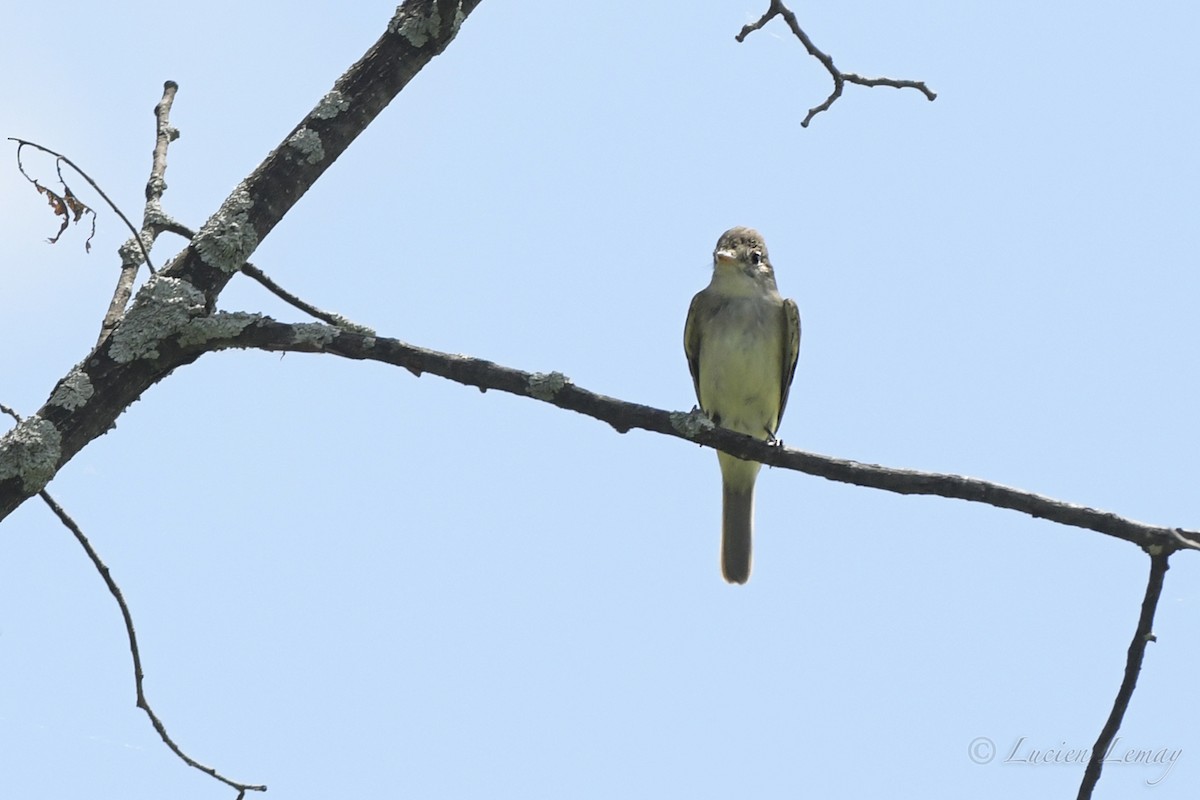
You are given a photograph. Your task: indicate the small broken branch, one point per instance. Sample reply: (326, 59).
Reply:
(152, 217)
(840, 79)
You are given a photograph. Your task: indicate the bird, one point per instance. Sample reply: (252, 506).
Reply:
(742, 341)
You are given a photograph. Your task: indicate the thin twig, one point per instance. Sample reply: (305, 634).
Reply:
(151, 216)
(22, 143)
(840, 79)
(138, 675)
(274, 288)
(1143, 635)
(283, 294)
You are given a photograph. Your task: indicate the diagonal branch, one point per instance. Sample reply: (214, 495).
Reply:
(418, 31)
(121, 367)
(1142, 635)
(840, 79)
(254, 331)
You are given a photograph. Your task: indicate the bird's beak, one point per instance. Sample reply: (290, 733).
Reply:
(725, 257)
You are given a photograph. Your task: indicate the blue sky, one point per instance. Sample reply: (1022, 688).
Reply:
(348, 580)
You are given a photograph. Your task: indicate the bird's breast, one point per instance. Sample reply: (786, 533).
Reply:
(741, 358)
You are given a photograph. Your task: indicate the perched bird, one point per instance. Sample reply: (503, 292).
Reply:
(742, 340)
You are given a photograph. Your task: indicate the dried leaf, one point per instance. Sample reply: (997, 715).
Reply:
(66, 205)
(59, 205)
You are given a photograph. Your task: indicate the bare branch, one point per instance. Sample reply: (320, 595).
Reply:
(291, 299)
(138, 675)
(151, 216)
(554, 388)
(840, 79)
(1142, 635)
(274, 288)
(127, 616)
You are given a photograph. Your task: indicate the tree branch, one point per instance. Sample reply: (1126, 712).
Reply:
(127, 616)
(254, 331)
(138, 675)
(840, 79)
(419, 31)
(308, 308)
(87, 401)
(1142, 635)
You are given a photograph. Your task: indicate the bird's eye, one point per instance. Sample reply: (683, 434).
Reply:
(756, 258)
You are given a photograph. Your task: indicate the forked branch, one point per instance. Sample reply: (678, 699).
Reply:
(840, 79)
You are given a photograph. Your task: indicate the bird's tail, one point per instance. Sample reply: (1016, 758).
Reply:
(737, 524)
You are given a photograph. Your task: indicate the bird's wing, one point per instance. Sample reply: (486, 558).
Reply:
(691, 343)
(791, 350)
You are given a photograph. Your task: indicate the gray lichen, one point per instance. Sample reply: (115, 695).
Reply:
(352, 327)
(74, 391)
(459, 16)
(313, 333)
(162, 307)
(416, 29)
(692, 423)
(308, 143)
(131, 253)
(223, 325)
(228, 238)
(154, 215)
(30, 453)
(331, 105)
(544, 386)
